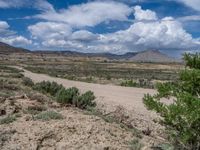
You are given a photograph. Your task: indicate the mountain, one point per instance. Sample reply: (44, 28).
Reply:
(152, 56)
(8, 49)
(144, 56)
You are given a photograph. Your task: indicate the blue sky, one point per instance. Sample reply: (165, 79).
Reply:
(116, 26)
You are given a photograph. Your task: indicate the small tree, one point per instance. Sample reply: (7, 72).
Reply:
(182, 117)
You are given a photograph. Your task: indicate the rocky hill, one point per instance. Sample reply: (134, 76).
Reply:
(152, 56)
(7, 49)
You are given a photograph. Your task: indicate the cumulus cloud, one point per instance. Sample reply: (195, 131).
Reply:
(50, 30)
(16, 40)
(89, 14)
(84, 36)
(141, 14)
(10, 37)
(146, 32)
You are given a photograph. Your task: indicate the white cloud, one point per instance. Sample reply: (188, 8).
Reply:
(84, 36)
(146, 32)
(4, 25)
(10, 37)
(195, 4)
(49, 30)
(12, 3)
(141, 14)
(89, 14)
(189, 18)
(16, 40)
(42, 5)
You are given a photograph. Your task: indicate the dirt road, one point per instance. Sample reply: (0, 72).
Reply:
(108, 95)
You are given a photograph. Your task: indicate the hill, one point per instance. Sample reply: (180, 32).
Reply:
(144, 56)
(152, 56)
(7, 49)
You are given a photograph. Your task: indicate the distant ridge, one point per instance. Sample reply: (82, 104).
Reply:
(8, 49)
(144, 56)
(152, 56)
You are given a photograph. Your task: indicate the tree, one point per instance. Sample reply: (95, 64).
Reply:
(182, 117)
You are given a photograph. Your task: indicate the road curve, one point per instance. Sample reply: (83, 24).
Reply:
(109, 95)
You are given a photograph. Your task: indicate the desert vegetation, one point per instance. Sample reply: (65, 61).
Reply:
(181, 117)
(25, 103)
(66, 96)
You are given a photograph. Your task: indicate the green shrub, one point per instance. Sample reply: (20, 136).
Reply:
(7, 120)
(129, 83)
(85, 100)
(27, 81)
(181, 117)
(67, 95)
(49, 115)
(48, 87)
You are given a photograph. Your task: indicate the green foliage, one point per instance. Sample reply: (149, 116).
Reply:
(190, 81)
(181, 117)
(67, 95)
(192, 60)
(48, 87)
(49, 115)
(27, 81)
(85, 100)
(7, 120)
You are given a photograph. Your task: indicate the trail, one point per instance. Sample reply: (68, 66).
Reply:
(108, 95)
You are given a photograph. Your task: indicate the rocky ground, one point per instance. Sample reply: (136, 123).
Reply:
(33, 121)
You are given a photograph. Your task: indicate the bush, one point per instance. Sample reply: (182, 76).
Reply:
(48, 87)
(85, 100)
(49, 115)
(27, 81)
(67, 95)
(181, 117)
(129, 83)
(7, 120)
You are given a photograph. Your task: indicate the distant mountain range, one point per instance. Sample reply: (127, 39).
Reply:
(144, 56)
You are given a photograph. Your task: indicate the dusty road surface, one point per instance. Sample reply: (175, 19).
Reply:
(110, 96)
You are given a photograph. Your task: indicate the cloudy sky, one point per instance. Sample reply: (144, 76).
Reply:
(116, 26)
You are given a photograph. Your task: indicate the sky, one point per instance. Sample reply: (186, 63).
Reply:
(99, 26)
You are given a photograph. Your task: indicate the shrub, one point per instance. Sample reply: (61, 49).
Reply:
(7, 120)
(67, 95)
(85, 100)
(129, 83)
(35, 109)
(181, 117)
(48, 87)
(49, 115)
(27, 81)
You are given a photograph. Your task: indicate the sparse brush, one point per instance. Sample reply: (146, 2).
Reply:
(49, 115)
(66, 96)
(135, 145)
(27, 81)
(7, 120)
(85, 100)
